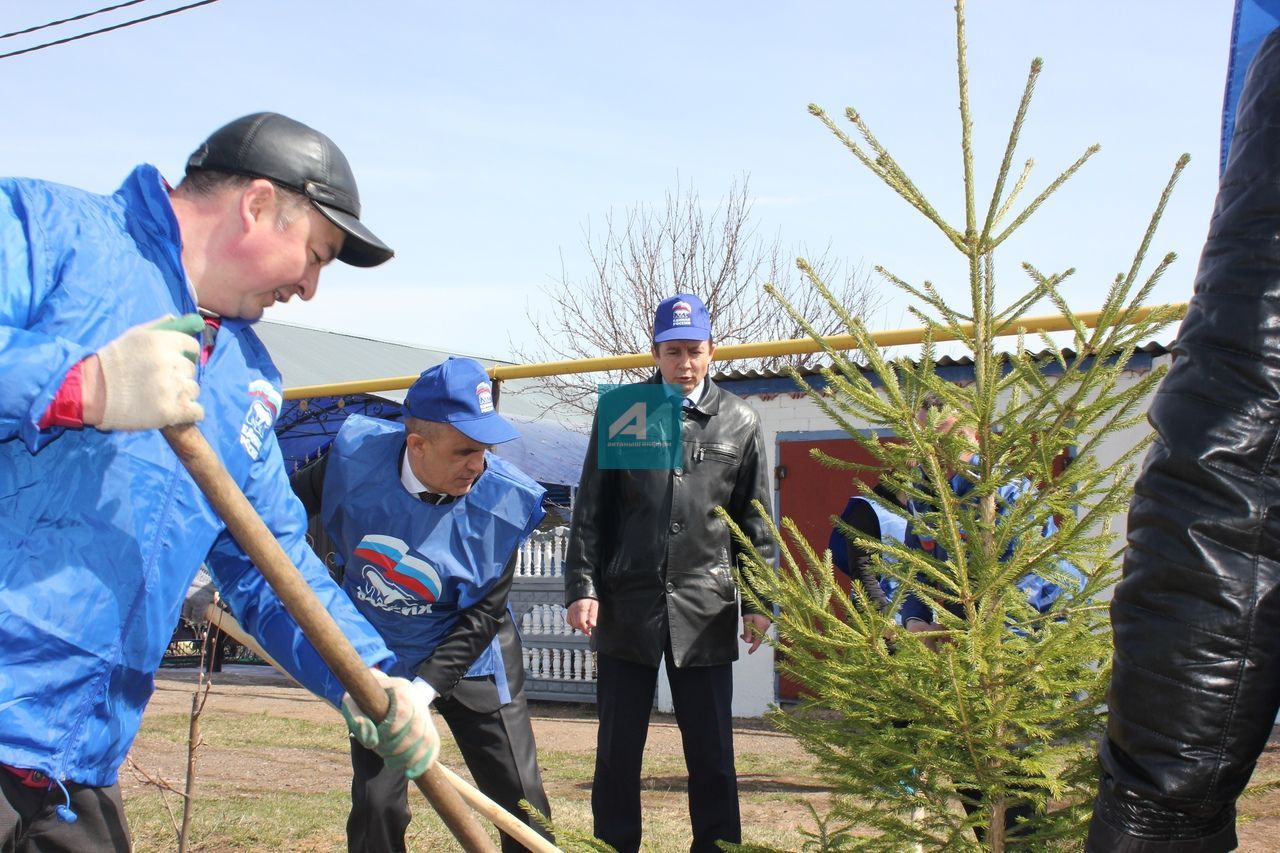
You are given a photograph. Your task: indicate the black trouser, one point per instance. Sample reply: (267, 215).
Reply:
(971, 799)
(29, 822)
(703, 698)
(499, 750)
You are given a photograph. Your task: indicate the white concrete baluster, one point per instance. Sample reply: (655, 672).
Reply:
(559, 540)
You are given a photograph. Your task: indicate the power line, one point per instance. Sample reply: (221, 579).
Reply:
(69, 20)
(106, 29)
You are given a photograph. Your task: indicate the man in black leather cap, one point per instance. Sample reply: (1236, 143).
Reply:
(102, 528)
(1196, 681)
(649, 575)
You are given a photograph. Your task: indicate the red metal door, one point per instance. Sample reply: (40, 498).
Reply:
(810, 493)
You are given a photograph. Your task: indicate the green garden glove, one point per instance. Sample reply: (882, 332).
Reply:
(407, 739)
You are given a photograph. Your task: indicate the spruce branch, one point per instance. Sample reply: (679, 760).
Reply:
(996, 209)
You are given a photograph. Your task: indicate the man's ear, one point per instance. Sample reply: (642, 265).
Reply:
(414, 442)
(711, 345)
(257, 203)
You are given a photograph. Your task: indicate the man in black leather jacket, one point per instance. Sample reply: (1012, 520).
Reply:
(1196, 681)
(649, 575)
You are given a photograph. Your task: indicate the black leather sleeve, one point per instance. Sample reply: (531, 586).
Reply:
(851, 558)
(476, 627)
(753, 485)
(587, 529)
(1196, 680)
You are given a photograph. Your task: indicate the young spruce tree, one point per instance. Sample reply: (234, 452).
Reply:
(1009, 707)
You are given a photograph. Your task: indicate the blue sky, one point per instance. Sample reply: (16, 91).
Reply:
(488, 137)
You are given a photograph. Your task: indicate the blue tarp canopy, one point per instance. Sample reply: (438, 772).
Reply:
(1254, 20)
(547, 451)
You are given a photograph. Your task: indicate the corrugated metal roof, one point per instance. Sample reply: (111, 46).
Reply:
(318, 357)
(551, 444)
(1151, 348)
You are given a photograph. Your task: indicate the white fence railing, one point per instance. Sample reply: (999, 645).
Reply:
(547, 619)
(542, 554)
(560, 664)
(558, 660)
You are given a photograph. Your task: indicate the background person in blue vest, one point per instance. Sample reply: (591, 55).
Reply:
(102, 530)
(1041, 593)
(649, 575)
(917, 615)
(877, 521)
(427, 525)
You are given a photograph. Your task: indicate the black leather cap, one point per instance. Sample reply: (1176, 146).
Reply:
(287, 152)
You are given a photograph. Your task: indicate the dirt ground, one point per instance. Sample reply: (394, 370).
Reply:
(562, 728)
(558, 727)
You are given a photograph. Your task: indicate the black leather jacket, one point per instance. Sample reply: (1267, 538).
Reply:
(1196, 681)
(649, 545)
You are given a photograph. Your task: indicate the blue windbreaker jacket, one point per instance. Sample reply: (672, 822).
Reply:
(101, 532)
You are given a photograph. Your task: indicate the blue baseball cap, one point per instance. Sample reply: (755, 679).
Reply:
(456, 392)
(682, 317)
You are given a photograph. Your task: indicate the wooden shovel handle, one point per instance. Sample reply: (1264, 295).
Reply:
(260, 544)
(503, 819)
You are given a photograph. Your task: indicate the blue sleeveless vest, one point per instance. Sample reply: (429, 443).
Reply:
(892, 526)
(411, 566)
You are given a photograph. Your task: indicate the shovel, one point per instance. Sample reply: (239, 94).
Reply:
(319, 627)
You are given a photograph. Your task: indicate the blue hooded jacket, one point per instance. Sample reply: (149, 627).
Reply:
(101, 532)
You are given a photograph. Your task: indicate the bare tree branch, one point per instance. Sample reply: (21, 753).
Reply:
(683, 247)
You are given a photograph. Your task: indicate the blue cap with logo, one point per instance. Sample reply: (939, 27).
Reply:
(457, 392)
(682, 317)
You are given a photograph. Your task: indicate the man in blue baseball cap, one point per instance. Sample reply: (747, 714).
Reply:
(668, 592)
(426, 525)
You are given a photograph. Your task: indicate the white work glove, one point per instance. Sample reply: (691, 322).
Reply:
(407, 739)
(149, 375)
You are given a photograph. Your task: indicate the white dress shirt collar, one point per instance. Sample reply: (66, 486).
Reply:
(696, 394)
(410, 480)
